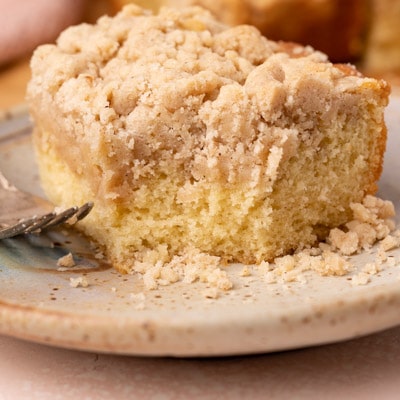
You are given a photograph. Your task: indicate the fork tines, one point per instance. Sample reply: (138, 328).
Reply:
(36, 224)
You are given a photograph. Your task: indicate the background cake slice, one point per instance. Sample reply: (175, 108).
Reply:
(192, 137)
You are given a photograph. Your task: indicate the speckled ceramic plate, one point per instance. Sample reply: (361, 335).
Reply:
(115, 314)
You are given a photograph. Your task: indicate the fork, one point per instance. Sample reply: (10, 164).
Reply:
(22, 212)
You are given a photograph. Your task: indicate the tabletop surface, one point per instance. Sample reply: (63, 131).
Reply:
(363, 368)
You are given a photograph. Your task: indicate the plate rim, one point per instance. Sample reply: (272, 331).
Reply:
(147, 336)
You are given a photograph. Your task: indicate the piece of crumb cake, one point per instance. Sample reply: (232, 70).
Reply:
(195, 138)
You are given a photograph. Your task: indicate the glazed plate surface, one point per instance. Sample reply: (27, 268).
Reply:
(115, 314)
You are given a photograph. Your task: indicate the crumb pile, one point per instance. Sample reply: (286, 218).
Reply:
(372, 222)
(202, 144)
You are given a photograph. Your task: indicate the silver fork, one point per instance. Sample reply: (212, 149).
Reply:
(21, 212)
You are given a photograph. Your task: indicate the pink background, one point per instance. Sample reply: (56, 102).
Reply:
(364, 368)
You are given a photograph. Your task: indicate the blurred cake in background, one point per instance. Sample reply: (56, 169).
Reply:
(335, 27)
(362, 31)
(382, 52)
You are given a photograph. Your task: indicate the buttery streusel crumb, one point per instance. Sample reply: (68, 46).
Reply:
(371, 222)
(329, 259)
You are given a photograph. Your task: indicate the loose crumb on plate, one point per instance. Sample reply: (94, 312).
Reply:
(66, 261)
(362, 278)
(193, 266)
(80, 281)
(371, 223)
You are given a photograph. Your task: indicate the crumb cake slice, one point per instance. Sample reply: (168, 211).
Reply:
(195, 138)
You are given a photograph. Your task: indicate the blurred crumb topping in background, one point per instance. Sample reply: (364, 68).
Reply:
(366, 32)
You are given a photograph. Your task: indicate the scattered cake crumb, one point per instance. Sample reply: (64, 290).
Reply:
(66, 261)
(389, 242)
(191, 267)
(381, 255)
(362, 278)
(334, 264)
(347, 242)
(150, 277)
(292, 268)
(372, 268)
(371, 223)
(80, 281)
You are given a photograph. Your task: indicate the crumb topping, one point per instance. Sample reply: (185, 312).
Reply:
(178, 91)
